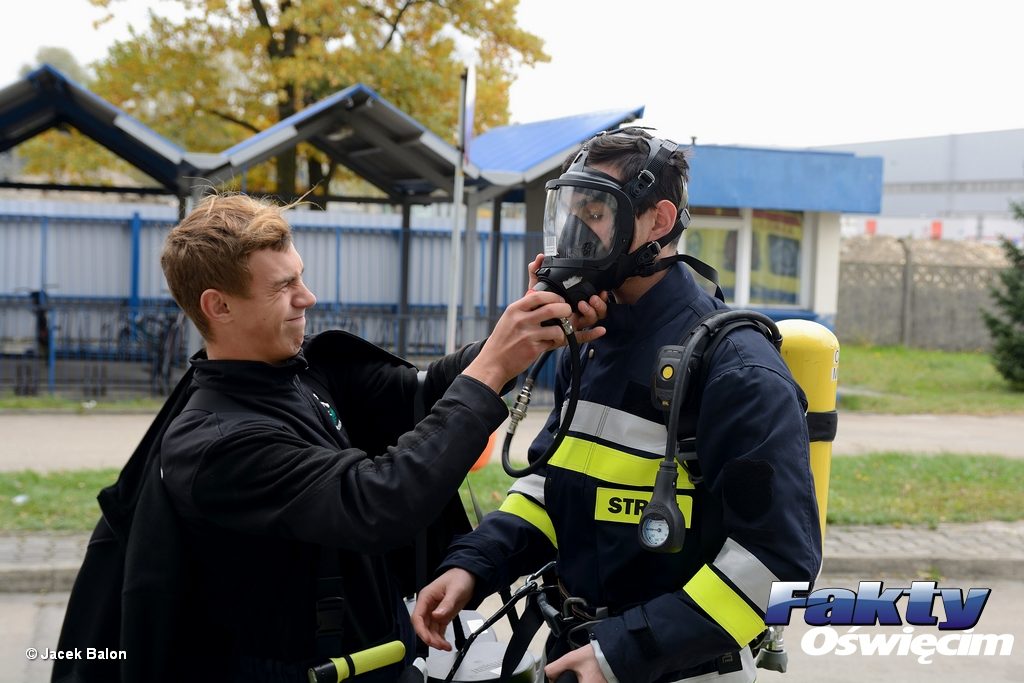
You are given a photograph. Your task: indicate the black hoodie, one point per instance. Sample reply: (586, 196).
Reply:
(270, 467)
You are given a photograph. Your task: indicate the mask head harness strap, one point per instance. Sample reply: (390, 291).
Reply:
(631, 194)
(644, 261)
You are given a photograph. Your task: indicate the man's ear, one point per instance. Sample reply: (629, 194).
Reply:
(664, 219)
(215, 306)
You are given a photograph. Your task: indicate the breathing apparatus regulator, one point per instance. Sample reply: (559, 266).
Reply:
(589, 222)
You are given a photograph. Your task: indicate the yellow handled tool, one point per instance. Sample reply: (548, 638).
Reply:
(338, 669)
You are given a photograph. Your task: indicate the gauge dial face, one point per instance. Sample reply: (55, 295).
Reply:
(655, 531)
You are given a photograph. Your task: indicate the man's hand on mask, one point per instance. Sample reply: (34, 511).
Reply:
(589, 312)
(518, 338)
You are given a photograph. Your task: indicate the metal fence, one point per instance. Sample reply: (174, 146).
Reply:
(908, 298)
(90, 348)
(84, 307)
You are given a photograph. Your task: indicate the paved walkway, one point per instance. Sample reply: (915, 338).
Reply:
(981, 434)
(58, 441)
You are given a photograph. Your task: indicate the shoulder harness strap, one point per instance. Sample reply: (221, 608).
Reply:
(713, 327)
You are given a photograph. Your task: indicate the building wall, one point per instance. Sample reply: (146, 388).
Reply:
(967, 175)
(777, 260)
(919, 293)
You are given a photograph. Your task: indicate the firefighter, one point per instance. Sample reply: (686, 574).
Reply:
(612, 221)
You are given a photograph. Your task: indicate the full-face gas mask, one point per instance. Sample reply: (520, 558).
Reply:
(589, 220)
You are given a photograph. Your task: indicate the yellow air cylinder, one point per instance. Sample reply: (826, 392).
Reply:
(812, 353)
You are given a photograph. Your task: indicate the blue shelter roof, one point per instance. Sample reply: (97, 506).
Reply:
(525, 151)
(721, 176)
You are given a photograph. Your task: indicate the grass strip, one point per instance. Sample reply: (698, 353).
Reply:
(879, 488)
(52, 501)
(897, 380)
(897, 488)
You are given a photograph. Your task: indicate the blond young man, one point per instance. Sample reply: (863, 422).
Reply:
(296, 472)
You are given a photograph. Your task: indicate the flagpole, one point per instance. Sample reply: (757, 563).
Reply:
(456, 246)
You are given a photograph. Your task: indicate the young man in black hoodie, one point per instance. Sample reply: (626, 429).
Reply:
(297, 468)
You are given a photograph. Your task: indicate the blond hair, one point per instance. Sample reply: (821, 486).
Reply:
(210, 249)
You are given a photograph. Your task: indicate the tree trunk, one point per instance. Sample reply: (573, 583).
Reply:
(317, 183)
(285, 162)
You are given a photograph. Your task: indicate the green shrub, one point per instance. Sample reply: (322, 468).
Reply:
(1007, 329)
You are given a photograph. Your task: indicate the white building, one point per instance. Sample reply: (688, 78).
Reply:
(948, 186)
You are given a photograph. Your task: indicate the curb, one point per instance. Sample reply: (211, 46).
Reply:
(38, 578)
(59, 578)
(875, 567)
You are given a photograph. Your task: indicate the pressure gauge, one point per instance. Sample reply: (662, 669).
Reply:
(654, 531)
(662, 527)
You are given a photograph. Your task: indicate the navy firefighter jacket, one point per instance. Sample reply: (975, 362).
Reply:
(753, 520)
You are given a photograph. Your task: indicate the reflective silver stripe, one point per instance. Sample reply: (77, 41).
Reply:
(619, 427)
(532, 485)
(602, 662)
(746, 572)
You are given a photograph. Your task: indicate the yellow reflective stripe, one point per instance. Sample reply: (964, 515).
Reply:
(618, 505)
(724, 605)
(607, 464)
(526, 509)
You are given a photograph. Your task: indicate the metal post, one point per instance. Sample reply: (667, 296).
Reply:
(337, 267)
(470, 242)
(51, 360)
(51, 356)
(403, 284)
(492, 287)
(136, 228)
(907, 308)
(456, 247)
(744, 252)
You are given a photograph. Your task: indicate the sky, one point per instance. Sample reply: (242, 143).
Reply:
(780, 73)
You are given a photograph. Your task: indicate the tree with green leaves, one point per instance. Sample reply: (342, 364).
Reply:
(61, 58)
(229, 68)
(1007, 329)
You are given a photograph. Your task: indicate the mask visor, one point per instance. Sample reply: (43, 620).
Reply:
(579, 223)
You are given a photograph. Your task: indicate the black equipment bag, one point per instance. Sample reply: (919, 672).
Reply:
(128, 592)
(139, 615)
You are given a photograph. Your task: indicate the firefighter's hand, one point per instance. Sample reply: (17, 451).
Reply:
(519, 338)
(582, 661)
(588, 312)
(438, 603)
